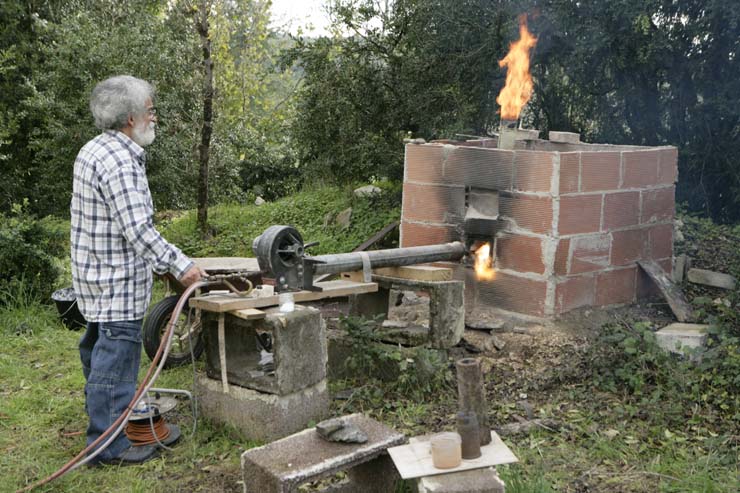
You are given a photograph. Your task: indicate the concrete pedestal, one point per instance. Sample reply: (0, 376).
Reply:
(259, 415)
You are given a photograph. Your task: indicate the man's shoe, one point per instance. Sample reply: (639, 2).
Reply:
(132, 455)
(173, 437)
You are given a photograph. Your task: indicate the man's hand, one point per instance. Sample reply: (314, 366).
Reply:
(193, 274)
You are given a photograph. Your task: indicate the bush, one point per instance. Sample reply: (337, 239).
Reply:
(28, 254)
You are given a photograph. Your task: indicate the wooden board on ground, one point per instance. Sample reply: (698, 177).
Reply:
(248, 314)
(412, 272)
(672, 293)
(215, 265)
(415, 459)
(331, 289)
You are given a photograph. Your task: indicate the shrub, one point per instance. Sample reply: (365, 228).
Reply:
(28, 254)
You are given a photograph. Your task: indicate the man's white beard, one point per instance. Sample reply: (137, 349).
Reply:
(143, 134)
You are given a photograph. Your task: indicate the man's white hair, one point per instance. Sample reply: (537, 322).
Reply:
(115, 99)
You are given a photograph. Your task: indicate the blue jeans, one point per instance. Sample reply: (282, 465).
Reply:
(110, 354)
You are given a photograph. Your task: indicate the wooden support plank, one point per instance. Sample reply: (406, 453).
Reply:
(331, 289)
(672, 293)
(411, 272)
(248, 314)
(222, 351)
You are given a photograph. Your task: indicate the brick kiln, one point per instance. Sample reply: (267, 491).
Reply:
(567, 220)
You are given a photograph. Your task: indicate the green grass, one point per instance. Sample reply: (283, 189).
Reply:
(312, 212)
(42, 423)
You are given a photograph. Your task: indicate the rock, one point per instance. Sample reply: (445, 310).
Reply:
(494, 343)
(259, 201)
(329, 426)
(338, 430)
(677, 336)
(328, 217)
(344, 217)
(367, 191)
(679, 269)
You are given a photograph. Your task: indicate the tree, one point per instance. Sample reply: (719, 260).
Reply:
(207, 128)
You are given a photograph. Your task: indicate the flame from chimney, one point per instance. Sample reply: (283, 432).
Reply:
(483, 268)
(518, 88)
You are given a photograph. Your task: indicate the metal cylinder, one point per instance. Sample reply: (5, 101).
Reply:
(395, 257)
(467, 428)
(471, 394)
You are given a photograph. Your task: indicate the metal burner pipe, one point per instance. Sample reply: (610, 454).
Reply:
(395, 257)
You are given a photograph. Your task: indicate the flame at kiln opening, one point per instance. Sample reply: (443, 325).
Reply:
(484, 263)
(518, 88)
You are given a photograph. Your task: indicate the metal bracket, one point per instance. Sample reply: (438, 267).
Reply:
(308, 264)
(367, 273)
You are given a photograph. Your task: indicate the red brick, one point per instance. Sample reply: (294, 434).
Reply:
(668, 166)
(413, 234)
(513, 293)
(490, 169)
(658, 205)
(527, 211)
(640, 168)
(629, 246)
(621, 209)
(433, 203)
(533, 171)
(579, 214)
(424, 163)
(616, 286)
(562, 253)
(589, 253)
(661, 241)
(570, 172)
(520, 253)
(599, 171)
(574, 292)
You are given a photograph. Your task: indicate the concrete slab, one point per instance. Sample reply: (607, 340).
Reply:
(711, 278)
(677, 336)
(258, 415)
(282, 466)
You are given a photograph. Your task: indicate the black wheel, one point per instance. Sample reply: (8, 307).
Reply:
(187, 331)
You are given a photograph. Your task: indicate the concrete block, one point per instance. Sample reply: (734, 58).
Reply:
(258, 415)
(446, 308)
(370, 305)
(677, 336)
(567, 137)
(484, 480)
(299, 350)
(710, 278)
(282, 466)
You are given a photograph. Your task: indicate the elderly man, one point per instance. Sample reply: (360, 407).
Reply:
(114, 250)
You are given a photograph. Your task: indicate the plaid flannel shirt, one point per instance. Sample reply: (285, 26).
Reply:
(114, 244)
